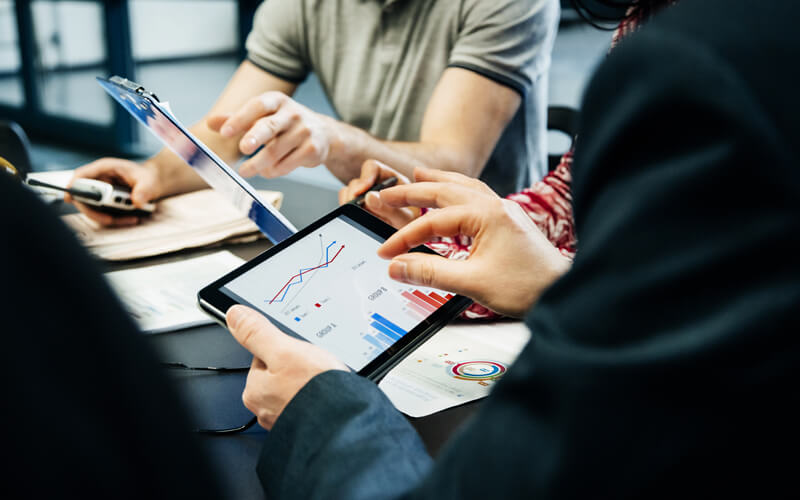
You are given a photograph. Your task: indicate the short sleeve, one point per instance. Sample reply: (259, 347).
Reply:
(276, 43)
(508, 41)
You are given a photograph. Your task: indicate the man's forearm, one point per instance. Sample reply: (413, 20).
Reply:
(353, 146)
(465, 117)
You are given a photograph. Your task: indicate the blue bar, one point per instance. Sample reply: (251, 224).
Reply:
(389, 333)
(383, 338)
(372, 340)
(388, 324)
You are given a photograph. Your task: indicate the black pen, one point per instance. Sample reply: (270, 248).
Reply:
(359, 200)
(79, 193)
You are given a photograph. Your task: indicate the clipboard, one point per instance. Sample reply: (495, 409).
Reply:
(158, 118)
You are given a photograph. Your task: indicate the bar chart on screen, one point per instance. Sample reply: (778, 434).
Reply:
(423, 305)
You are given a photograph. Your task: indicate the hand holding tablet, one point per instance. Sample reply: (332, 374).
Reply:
(281, 365)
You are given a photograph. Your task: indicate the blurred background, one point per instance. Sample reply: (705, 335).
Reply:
(185, 51)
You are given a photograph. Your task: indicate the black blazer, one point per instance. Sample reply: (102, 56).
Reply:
(665, 364)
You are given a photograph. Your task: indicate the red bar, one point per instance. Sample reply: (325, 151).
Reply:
(419, 302)
(438, 297)
(427, 299)
(449, 296)
(419, 310)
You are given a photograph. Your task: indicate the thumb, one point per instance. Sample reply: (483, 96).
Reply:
(144, 190)
(216, 122)
(255, 333)
(370, 172)
(432, 271)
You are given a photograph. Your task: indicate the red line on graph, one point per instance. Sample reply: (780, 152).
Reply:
(303, 272)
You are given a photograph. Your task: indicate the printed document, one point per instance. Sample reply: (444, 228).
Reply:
(184, 221)
(163, 298)
(460, 363)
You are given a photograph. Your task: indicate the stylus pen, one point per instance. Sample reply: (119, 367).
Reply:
(91, 195)
(359, 200)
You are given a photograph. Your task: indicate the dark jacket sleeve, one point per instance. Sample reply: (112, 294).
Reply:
(340, 437)
(663, 365)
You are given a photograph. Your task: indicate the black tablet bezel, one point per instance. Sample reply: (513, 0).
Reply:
(215, 302)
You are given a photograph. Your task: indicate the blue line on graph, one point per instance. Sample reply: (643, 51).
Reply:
(388, 324)
(382, 328)
(327, 261)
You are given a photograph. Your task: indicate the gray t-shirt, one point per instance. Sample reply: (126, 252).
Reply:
(380, 60)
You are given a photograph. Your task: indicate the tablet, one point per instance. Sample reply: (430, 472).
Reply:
(156, 116)
(326, 285)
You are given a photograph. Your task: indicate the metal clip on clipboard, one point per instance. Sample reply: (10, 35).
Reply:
(133, 87)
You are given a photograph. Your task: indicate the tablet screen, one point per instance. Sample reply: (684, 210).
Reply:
(332, 289)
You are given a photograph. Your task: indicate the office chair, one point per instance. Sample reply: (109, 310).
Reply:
(563, 119)
(14, 148)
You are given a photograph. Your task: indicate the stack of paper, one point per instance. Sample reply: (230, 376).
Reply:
(163, 298)
(184, 221)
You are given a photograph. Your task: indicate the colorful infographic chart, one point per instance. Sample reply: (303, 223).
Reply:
(460, 363)
(478, 371)
(332, 289)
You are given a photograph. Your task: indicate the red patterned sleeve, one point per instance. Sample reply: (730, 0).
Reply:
(549, 204)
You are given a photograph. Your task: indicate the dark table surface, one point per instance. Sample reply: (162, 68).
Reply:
(215, 399)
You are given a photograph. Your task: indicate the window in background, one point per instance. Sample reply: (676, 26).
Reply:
(70, 53)
(11, 88)
(185, 51)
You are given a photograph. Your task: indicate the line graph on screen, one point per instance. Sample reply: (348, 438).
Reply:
(324, 261)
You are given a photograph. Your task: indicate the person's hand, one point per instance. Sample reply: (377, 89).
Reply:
(373, 171)
(510, 264)
(143, 179)
(292, 135)
(281, 365)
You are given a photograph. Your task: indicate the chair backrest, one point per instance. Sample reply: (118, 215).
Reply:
(563, 119)
(15, 148)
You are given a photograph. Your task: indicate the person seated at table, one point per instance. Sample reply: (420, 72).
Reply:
(453, 85)
(548, 201)
(663, 362)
